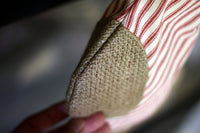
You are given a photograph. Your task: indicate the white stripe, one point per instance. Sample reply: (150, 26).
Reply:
(160, 92)
(159, 77)
(154, 25)
(164, 25)
(137, 117)
(185, 48)
(175, 7)
(173, 54)
(161, 56)
(139, 8)
(147, 15)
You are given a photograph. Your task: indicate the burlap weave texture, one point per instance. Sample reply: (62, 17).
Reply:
(111, 75)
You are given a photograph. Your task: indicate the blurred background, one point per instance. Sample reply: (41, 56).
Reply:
(38, 54)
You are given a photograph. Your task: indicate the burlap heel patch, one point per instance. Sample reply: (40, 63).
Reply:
(111, 75)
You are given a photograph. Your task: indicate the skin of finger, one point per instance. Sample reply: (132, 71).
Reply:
(93, 122)
(23, 128)
(83, 125)
(48, 118)
(40, 122)
(43, 120)
(74, 126)
(104, 129)
(57, 112)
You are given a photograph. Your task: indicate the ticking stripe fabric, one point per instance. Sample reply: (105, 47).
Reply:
(167, 30)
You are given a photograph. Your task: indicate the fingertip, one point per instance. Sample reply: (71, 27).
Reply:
(96, 116)
(104, 129)
(76, 124)
(94, 122)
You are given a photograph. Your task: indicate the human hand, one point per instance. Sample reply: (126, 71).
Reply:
(43, 121)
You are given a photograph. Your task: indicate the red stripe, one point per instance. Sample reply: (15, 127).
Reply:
(167, 69)
(183, 25)
(124, 14)
(106, 12)
(167, 66)
(115, 7)
(122, 6)
(126, 11)
(151, 38)
(173, 13)
(172, 3)
(153, 18)
(164, 31)
(152, 52)
(177, 67)
(142, 12)
(130, 19)
(186, 53)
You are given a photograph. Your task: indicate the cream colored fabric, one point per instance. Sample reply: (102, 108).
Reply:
(111, 75)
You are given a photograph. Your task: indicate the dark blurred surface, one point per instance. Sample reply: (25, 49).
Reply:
(13, 10)
(38, 55)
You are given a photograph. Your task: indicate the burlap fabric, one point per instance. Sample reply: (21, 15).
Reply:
(111, 75)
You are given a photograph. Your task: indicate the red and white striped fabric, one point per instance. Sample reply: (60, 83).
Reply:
(167, 29)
